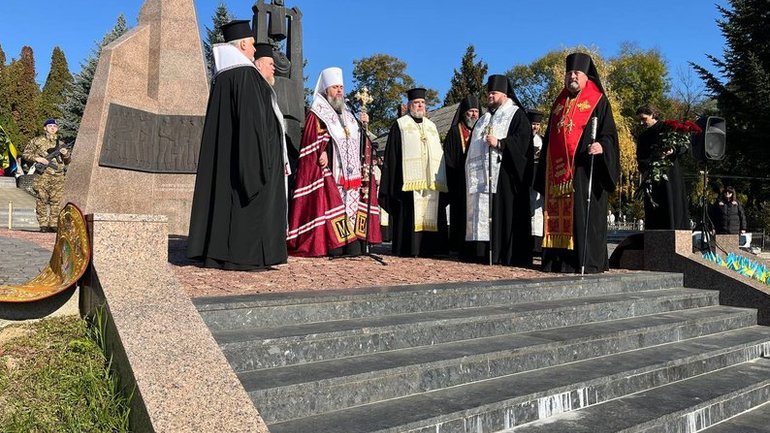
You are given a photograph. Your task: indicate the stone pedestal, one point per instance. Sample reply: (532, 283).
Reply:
(160, 347)
(158, 68)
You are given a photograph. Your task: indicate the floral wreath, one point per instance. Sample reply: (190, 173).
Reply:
(675, 140)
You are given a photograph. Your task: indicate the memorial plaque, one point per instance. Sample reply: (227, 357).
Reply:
(153, 143)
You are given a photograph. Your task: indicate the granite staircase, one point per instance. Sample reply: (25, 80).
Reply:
(633, 352)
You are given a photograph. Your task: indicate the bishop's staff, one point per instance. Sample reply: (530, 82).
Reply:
(489, 185)
(594, 122)
(363, 97)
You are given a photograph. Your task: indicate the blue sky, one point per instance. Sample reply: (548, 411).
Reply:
(430, 35)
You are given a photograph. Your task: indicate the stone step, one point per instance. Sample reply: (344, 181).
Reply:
(270, 310)
(756, 420)
(613, 390)
(7, 182)
(297, 391)
(252, 349)
(691, 405)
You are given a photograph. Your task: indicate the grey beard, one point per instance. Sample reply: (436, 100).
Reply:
(338, 104)
(573, 87)
(470, 123)
(416, 115)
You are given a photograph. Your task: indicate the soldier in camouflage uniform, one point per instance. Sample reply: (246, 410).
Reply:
(49, 185)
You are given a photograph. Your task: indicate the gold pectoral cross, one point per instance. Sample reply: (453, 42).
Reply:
(569, 125)
(423, 137)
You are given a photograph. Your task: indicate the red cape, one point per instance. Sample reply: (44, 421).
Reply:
(317, 221)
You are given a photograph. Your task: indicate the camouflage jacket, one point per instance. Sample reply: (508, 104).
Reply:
(41, 146)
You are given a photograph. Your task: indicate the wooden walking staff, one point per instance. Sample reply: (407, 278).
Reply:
(594, 122)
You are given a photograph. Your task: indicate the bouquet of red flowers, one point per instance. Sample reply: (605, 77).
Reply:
(675, 141)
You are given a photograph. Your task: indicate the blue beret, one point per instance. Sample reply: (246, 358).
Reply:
(50, 122)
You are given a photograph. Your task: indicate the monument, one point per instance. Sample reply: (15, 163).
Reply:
(136, 151)
(138, 142)
(274, 23)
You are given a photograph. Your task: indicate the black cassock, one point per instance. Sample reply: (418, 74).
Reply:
(511, 218)
(454, 157)
(400, 207)
(238, 216)
(606, 174)
(670, 195)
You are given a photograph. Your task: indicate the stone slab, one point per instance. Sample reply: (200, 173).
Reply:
(295, 308)
(690, 405)
(297, 344)
(508, 401)
(162, 349)
(755, 421)
(299, 391)
(671, 251)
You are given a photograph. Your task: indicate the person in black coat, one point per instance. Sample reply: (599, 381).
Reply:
(727, 214)
(575, 237)
(455, 148)
(665, 204)
(238, 218)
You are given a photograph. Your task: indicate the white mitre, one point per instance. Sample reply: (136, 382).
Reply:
(329, 77)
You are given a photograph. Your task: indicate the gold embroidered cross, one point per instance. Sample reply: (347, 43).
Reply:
(365, 99)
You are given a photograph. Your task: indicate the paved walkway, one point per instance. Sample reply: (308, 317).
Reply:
(23, 251)
(21, 259)
(23, 206)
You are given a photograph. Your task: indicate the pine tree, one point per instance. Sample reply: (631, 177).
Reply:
(6, 119)
(742, 90)
(469, 80)
(3, 98)
(23, 94)
(58, 82)
(214, 36)
(76, 96)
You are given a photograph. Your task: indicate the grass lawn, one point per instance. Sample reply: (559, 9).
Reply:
(54, 378)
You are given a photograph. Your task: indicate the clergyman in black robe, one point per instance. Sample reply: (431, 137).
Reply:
(413, 185)
(665, 201)
(455, 150)
(564, 169)
(504, 131)
(238, 219)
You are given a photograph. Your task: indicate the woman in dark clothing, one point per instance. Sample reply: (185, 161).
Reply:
(727, 214)
(665, 204)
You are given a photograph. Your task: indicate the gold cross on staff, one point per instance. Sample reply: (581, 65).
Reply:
(364, 98)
